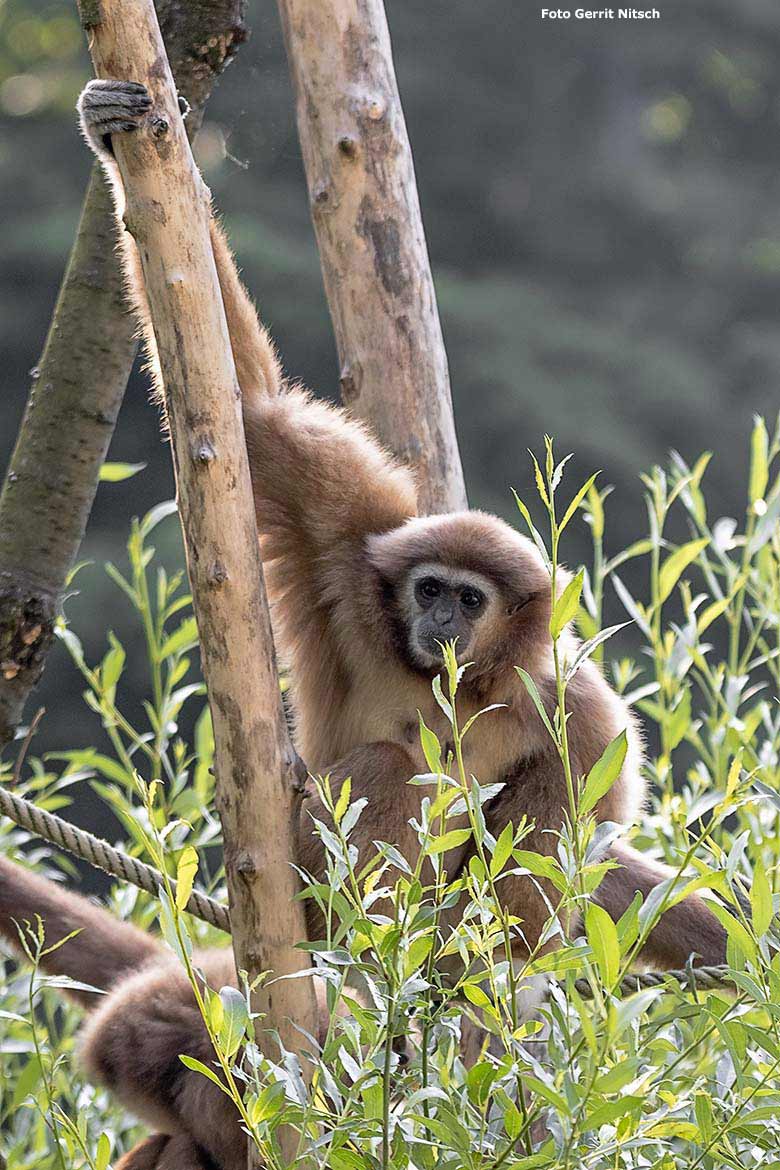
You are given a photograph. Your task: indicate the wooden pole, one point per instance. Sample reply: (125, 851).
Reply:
(366, 215)
(167, 212)
(78, 387)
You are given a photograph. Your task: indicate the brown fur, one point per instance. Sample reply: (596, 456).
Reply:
(162, 1152)
(339, 529)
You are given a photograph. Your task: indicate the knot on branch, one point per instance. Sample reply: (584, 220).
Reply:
(217, 574)
(204, 452)
(350, 381)
(248, 866)
(348, 146)
(26, 629)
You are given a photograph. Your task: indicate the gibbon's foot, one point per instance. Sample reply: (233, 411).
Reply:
(112, 107)
(115, 107)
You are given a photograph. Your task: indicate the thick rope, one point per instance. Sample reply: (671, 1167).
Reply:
(120, 865)
(103, 856)
(701, 978)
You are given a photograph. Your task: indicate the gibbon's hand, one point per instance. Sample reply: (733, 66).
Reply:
(115, 107)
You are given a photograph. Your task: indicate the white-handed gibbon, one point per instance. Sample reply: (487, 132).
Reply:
(363, 591)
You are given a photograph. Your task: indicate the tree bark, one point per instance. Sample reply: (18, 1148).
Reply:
(78, 386)
(367, 220)
(71, 411)
(168, 211)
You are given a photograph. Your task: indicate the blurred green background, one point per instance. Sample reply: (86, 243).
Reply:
(602, 208)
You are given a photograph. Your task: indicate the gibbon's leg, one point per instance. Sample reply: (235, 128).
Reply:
(162, 1152)
(379, 772)
(685, 929)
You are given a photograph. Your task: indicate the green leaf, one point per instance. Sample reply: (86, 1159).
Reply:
(342, 803)
(566, 606)
(759, 460)
(604, 772)
(540, 484)
(513, 1122)
(234, 1021)
(675, 565)
(735, 930)
(269, 1103)
(417, 953)
(539, 865)
(761, 899)
(610, 1111)
(185, 876)
(580, 496)
(703, 1109)
(449, 840)
(475, 994)
(502, 850)
(197, 1066)
(639, 549)
(615, 1078)
(103, 1152)
(116, 472)
(596, 507)
(184, 638)
(680, 719)
(532, 689)
(112, 666)
(430, 746)
(712, 613)
(602, 936)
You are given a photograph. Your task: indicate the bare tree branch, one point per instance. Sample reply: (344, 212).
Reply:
(369, 231)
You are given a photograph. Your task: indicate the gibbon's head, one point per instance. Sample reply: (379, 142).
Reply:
(465, 576)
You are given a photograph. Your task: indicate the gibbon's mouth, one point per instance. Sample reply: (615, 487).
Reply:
(427, 651)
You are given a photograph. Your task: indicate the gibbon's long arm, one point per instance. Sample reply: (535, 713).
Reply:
(101, 953)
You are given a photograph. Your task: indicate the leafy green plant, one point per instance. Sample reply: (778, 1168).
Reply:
(604, 1076)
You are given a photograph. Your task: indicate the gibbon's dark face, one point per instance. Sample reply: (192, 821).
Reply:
(443, 604)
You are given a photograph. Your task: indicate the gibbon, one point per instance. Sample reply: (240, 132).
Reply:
(363, 591)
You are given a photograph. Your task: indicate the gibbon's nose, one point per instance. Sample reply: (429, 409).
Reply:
(443, 614)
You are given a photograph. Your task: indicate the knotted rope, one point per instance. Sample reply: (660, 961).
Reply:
(121, 865)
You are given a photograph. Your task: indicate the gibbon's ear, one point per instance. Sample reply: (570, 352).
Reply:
(516, 606)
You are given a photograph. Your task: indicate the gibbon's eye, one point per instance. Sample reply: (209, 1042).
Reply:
(429, 588)
(471, 598)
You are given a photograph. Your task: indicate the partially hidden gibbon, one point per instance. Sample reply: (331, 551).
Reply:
(363, 590)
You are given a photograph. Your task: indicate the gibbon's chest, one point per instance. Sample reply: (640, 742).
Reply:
(491, 748)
